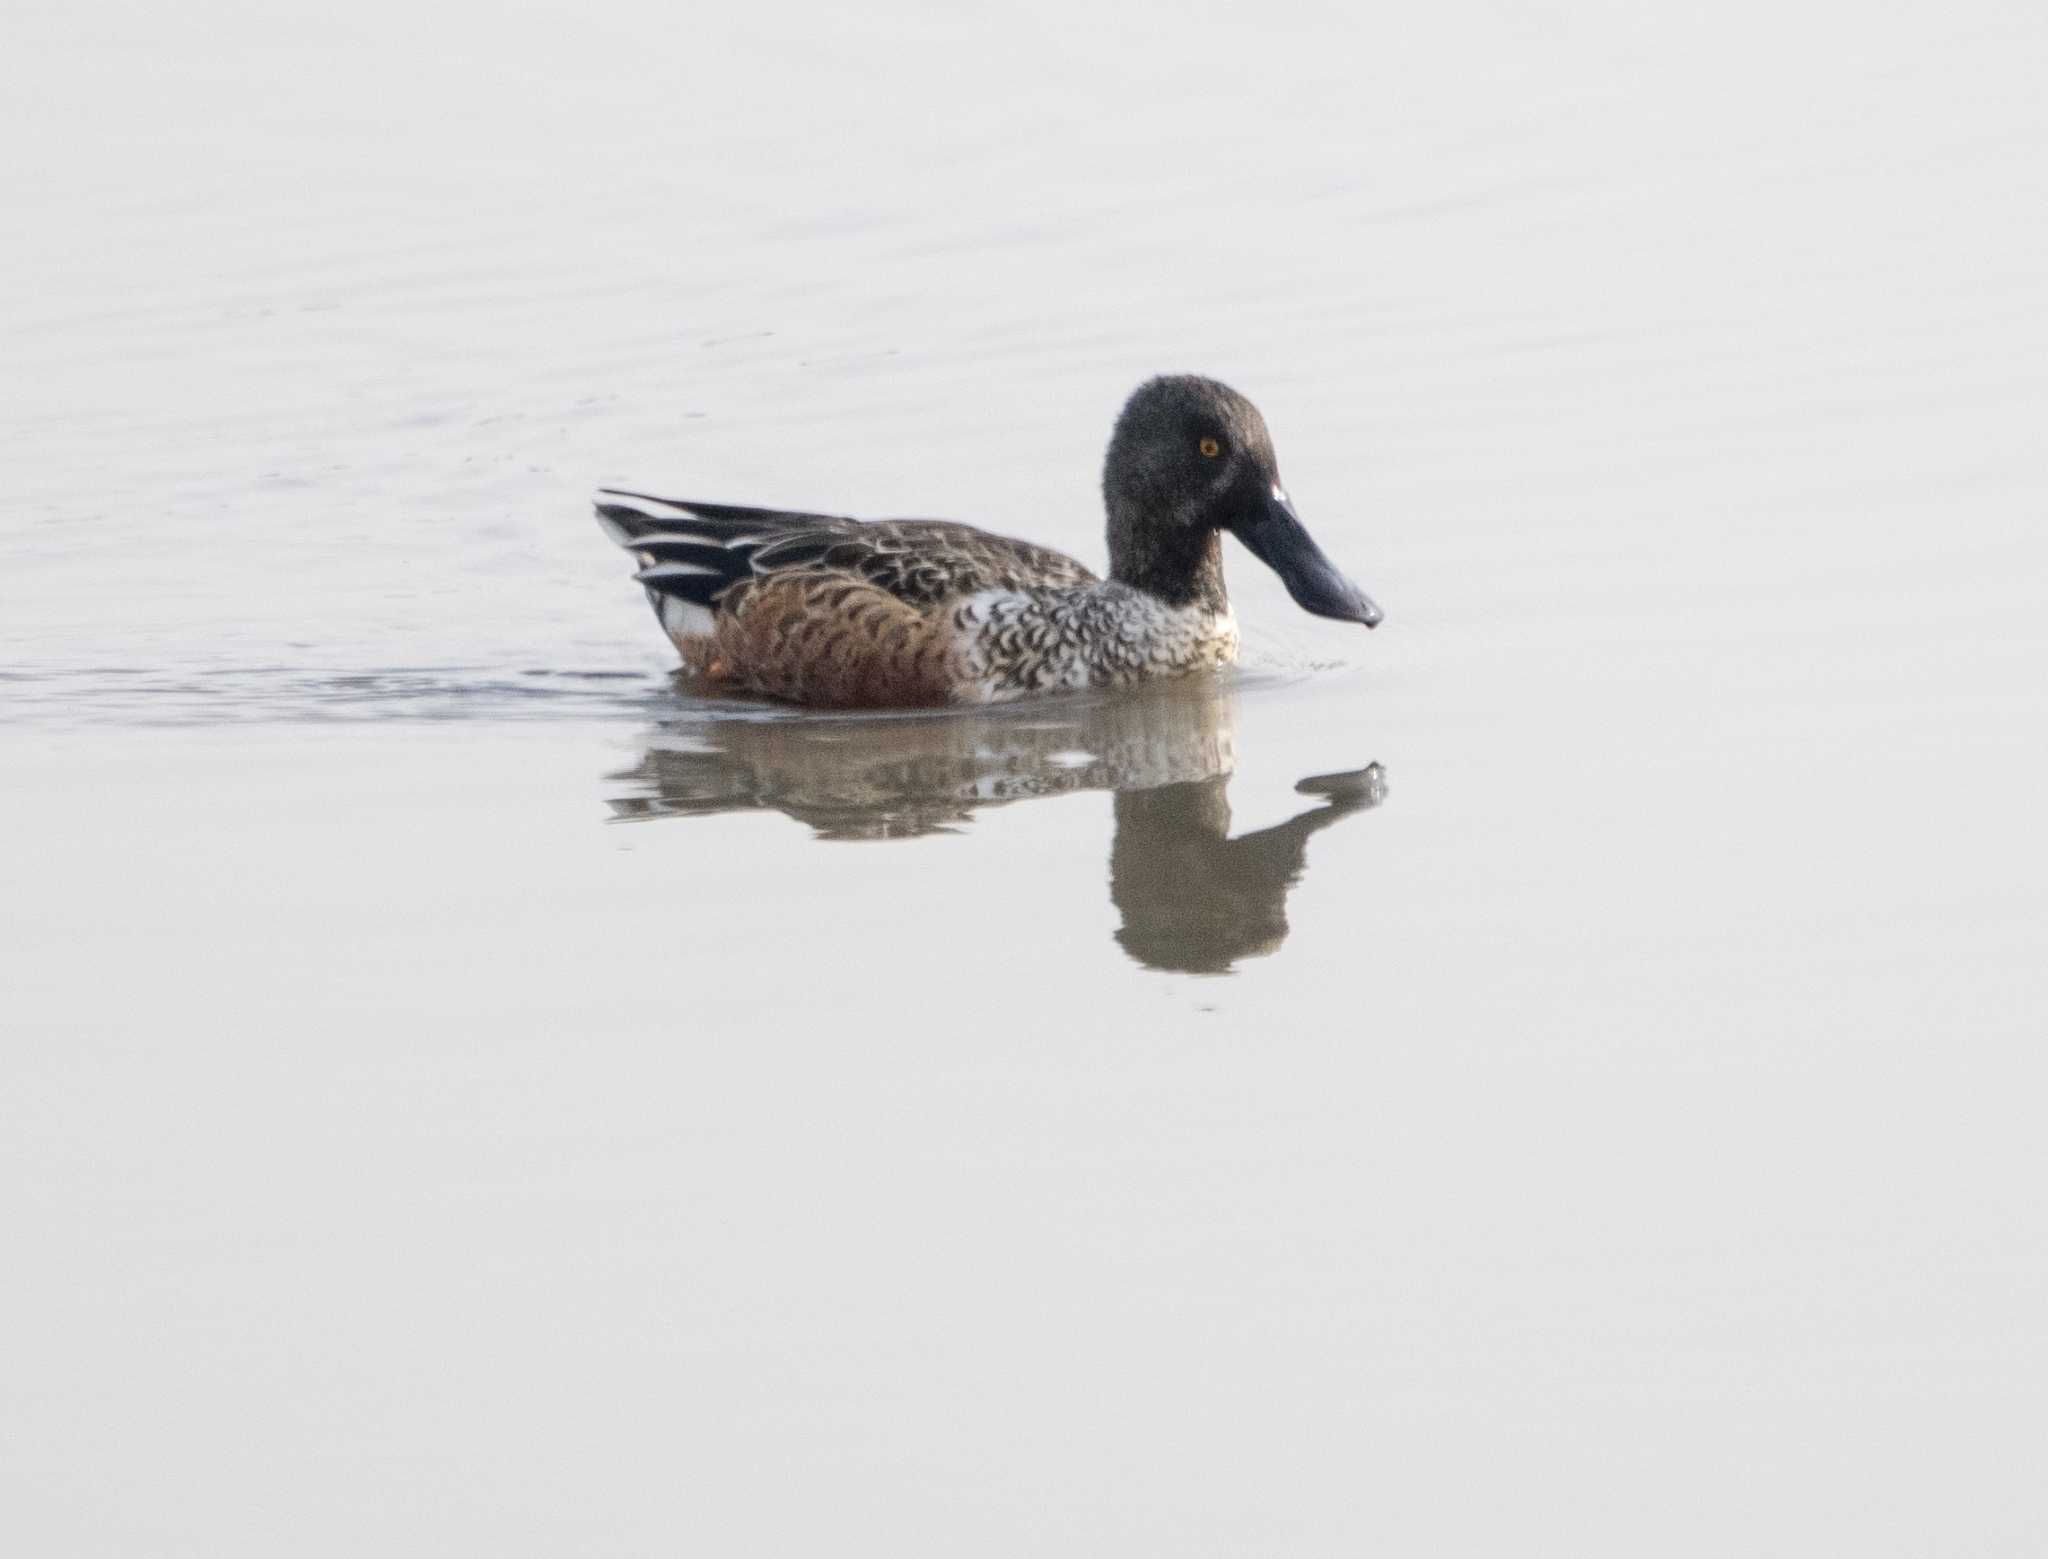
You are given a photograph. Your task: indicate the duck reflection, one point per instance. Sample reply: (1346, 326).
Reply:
(1192, 898)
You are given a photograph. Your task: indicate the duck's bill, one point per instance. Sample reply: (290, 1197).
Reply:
(1278, 539)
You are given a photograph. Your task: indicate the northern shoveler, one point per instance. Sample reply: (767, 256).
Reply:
(844, 613)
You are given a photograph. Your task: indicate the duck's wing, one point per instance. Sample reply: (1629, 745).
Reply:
(697, 552)
(924, 562)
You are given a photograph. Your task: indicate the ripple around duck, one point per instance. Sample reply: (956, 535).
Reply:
(287, 694)
(251, 695)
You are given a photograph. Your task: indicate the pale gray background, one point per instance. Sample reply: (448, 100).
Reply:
(1635, 1147)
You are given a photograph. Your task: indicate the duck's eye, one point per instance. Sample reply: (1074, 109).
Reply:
(1210, 449)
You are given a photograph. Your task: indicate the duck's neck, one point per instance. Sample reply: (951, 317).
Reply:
(1181, 565)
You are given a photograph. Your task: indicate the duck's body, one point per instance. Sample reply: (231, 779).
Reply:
(835, 612)
(896, 613)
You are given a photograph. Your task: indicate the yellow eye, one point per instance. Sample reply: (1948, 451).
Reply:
(1211, 449)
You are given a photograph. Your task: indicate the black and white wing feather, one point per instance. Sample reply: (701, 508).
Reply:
(692, 554)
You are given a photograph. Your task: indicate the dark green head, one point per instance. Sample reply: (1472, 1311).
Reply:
(1190, 459)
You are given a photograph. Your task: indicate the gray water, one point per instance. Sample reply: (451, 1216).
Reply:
(1560, 1074)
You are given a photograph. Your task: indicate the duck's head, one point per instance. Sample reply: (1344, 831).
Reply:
(1190, 459)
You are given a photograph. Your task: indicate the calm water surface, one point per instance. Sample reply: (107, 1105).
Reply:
(1560, 1074)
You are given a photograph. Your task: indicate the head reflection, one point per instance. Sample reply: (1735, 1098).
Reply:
(1192, 898)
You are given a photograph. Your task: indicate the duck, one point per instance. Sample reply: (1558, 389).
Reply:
(831, 612)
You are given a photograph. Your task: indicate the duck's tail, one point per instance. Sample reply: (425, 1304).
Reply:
(692, 553)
